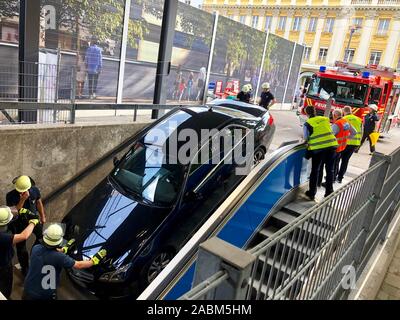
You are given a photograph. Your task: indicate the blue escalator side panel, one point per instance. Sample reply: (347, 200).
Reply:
(290, 173)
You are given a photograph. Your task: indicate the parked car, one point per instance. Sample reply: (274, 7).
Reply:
(150, 204)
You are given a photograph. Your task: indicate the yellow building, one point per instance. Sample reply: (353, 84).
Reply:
(323, 26)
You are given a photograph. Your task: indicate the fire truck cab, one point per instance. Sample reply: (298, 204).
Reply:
(353, 85)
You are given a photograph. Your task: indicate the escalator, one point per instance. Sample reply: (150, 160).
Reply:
(268, 200)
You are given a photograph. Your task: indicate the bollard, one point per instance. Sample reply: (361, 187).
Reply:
(216, 255)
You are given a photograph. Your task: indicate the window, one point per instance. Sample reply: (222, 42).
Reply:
(307, 53)
(242, 19)
(254, 22)
(350, 93)
(230, 16)
(375, 96)
(296, 24)
(357, 22)
(349, 55)
(323, 52)
(383, 26)
(268, 20)
(329, 25)
(282, 23)
(375, 57)
(312, 25)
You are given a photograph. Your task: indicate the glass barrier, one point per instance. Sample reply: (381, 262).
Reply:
(142, 50)
(190, 54)
(292, 92)
(9, 23)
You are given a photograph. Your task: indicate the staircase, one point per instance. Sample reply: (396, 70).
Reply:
(277, 265)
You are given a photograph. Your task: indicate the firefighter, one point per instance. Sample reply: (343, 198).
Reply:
(267, 99)
(48, 260)
(7, 242)
(245, 94)
(321, 149)
(370, 121)
(25, 196)
(353, 144)
(343, 131)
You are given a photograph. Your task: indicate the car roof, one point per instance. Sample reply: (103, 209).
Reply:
(248, 108)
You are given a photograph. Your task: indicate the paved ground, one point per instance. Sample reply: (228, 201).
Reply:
(288, 129)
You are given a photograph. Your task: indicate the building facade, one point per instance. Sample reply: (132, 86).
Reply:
(324, 27)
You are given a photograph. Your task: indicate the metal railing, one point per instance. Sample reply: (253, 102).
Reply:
(64, 113)
(314, 256)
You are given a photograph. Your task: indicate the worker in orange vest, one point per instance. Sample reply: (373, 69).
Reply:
(343, 132)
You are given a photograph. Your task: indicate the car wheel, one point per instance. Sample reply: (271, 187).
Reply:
(157, 264)
(259, 155)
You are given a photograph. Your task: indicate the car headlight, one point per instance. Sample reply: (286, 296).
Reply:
(119, 275)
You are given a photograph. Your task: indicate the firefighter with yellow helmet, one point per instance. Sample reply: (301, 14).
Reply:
(25, 197)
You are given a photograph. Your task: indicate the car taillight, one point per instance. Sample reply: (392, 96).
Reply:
(270, 120)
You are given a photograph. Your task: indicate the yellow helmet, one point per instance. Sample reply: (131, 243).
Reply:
(53, 235)
(265, 85)
(245, 88)
(5, 216)
(23, 183)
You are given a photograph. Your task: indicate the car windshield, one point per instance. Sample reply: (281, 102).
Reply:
(149, 176)
(350, 93)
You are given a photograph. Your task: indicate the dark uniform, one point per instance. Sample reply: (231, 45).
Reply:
(244, 97)
(6, 268)
(43, 256)
(266, 98)
(369, 127)
(18, 225)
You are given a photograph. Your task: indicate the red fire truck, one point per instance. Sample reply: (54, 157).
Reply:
(353, 85)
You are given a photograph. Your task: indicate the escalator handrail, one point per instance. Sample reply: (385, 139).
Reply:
(228, 207)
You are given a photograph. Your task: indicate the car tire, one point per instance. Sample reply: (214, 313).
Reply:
(155, 265)
(259, 155)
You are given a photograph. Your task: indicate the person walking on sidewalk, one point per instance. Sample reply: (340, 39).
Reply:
(94, 65)
(353, 143)
(7, 242)
(321, 149)
(370, 121)
(25, 197)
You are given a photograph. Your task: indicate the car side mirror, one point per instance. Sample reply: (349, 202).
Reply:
(116, 161)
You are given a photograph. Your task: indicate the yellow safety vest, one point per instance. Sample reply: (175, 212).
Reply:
(356, 123)
(322, 136)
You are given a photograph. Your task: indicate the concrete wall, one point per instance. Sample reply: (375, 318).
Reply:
(52, 155)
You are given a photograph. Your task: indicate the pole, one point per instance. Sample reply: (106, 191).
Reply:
(261, 67)
(165, 53)
(123, 52)
(352, 30)
(288, 77)
(210, 58)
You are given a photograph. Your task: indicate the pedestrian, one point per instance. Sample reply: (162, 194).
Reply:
(177, 82)
(343, 131)
(321, 149)
(48, 259)
(244, 94)
(182, 88)
(26, 195)
(190, 86)
(353, 143)
(201, 83)
(94, 65)
(267, 99)
(7, 242)
(370, 121)
(80, 74)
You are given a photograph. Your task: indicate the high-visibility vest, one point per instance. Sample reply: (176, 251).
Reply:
(343, 135)
(322, 136)
(356, 123)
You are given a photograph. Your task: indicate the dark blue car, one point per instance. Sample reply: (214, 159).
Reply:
(147, 208)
